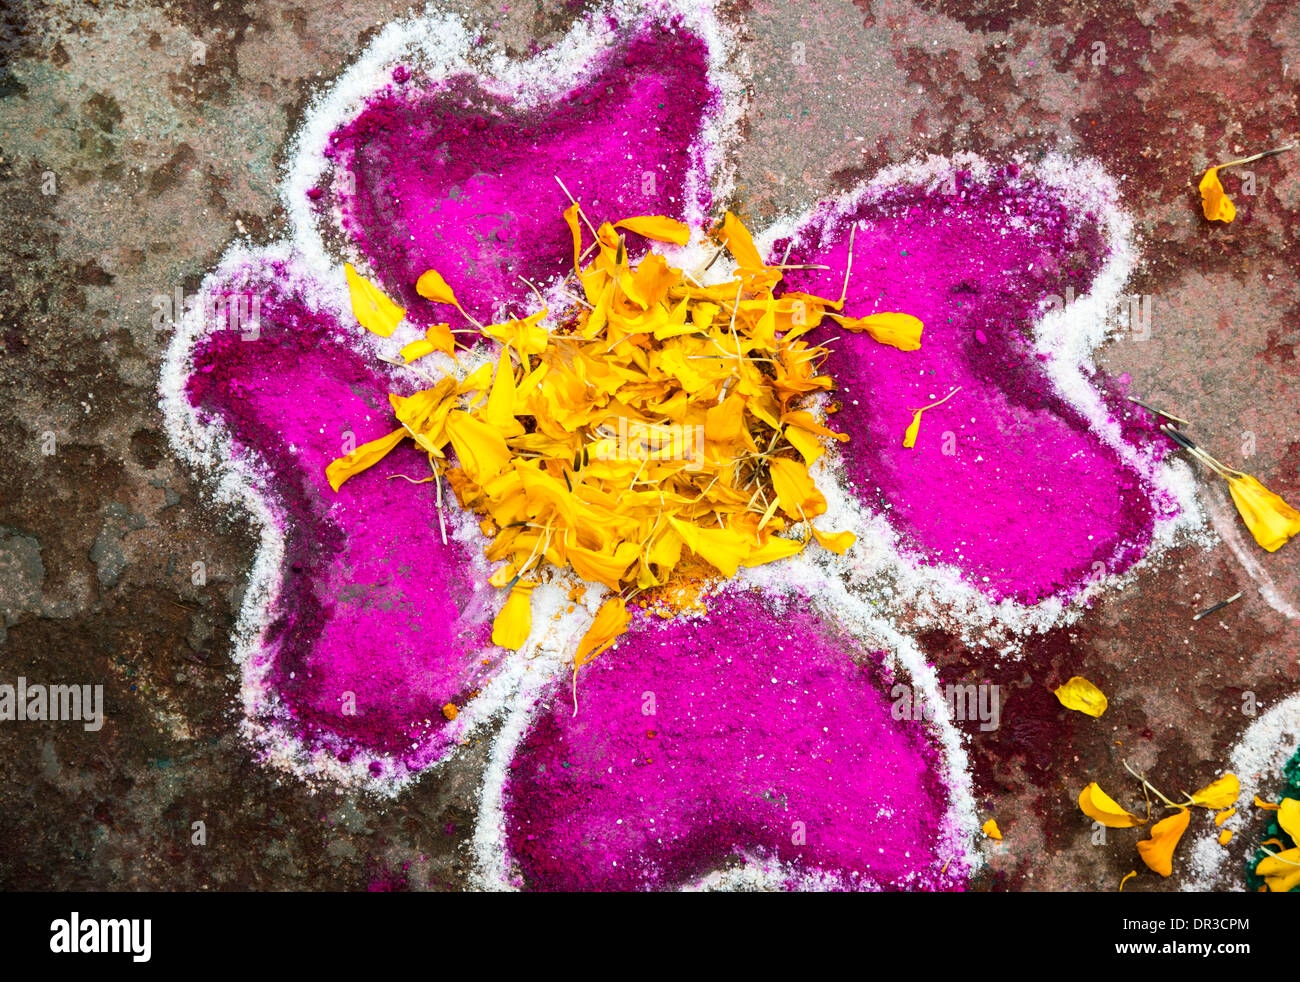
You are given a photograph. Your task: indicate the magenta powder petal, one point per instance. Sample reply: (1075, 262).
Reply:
(452, 178)
(374, 609)
(749, 730)
(1025, 499)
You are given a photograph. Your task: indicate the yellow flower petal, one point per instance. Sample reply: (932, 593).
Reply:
(1222, 793)
(770, 551)
(1225, 837)
(436, 338)
(1218, 207)
(909, 437)
(1158, 851)
(740, 243)
(575, 230)
(373, 311)
(1101, 807)
(1288, 817)
(1127, 876)
(514, 622)
(658, 227)
(525, 335)
(721, 548)
(1223, 816)
(1270, 519)
(602, 566)
(1266, 805)
(913, 430)
(1281, 872)
(364, 456)
(1082, 696)
(795, 490)
(901, 331)
(610, 623)
(991, 829)
(433, 287)
(481, 450)
(837, 542)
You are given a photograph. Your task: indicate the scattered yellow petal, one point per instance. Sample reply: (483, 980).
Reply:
(1268, 806)
(1127, 876)
(837, 542)
(514, 622)
(575, 230)
(433, 287)
(364, 456)
(1270, 519)
(1223, 816)
(436, 338)
(991, 829)
(658, 227)
(1216, 204)
(1222, 793)
(373, 311)
(901, 331)
(1158, 851)
(610, 623)
(1101, 807)
(1288, 817)
(1082, 696)
(481, 450)
(795, 489)
(909, 437)
(913, 430)
(525, 335)
(1225, 837)
(1281, 872)
(740, 243)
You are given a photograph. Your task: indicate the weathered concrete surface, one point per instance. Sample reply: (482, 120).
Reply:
(157, 164)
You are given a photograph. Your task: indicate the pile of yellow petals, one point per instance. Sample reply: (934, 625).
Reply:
(658, 418)
(1158, 850)
(1281, 870)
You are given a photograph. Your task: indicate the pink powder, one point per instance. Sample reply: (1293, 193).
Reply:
(374, 608)
(750, 729)
(454, 179)
(1006, 481)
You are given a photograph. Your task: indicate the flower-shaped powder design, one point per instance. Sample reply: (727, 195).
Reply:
(755, 739)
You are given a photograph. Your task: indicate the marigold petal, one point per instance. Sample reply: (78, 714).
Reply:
(481, 450)
(837, 542)
(364, 456)
(1158, 851)
(1082, 696)
(1271, 520)
(610, 623)
(901, 331)
(372, 309)
(740, 243)
(433, 287)
(1216, 204)
(1222, 793)
(658, 227)
(1101, 807)
(514, 622)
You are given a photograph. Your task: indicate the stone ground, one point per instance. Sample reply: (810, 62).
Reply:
(156, 164)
